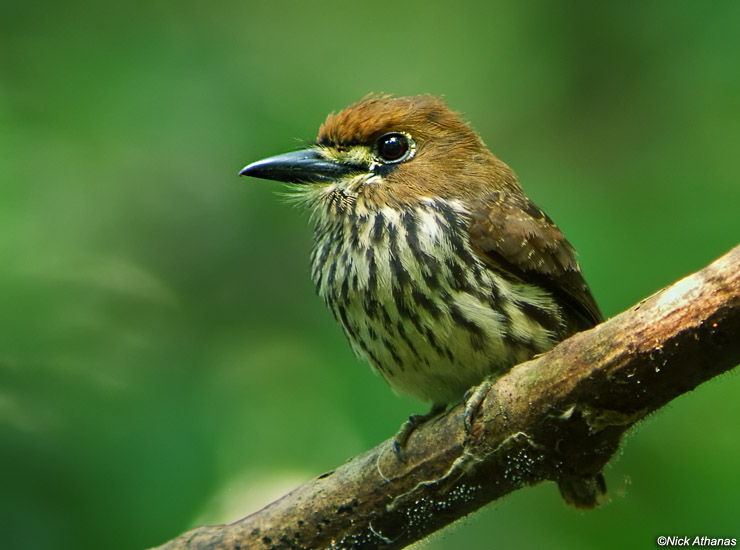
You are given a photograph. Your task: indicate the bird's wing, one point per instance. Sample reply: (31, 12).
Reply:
(511, 234)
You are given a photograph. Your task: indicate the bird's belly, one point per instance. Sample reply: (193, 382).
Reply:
(435, 358)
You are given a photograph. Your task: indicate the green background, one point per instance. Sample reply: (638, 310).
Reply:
(164, 361)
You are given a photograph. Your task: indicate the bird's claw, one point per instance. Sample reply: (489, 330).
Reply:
(473, 399)
(408, 427)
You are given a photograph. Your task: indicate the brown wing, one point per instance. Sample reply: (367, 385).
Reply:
(513, 235)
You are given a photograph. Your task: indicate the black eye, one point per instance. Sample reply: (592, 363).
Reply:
(395, 147)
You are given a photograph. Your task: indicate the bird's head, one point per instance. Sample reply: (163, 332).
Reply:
(384, 151)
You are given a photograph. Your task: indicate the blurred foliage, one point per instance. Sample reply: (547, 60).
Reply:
(162, 352)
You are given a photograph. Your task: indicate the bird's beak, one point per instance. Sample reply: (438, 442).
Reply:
(306, 166)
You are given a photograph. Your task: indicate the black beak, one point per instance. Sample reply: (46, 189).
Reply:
(305, 166)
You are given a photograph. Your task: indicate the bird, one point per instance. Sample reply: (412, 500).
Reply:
(439, 268)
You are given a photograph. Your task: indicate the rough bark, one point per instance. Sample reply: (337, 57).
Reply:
(557, 417)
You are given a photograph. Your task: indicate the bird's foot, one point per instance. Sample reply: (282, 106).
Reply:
(473, 400)
(408, 427)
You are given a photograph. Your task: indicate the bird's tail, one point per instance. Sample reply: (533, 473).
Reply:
(583, 493)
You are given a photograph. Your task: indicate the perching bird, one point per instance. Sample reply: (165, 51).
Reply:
(440, 270)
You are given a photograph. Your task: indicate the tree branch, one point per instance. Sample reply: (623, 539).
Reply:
(560, 416)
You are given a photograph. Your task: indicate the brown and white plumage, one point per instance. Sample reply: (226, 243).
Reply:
(440, 270)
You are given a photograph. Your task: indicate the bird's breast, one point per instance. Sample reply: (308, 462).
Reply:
(417, 303)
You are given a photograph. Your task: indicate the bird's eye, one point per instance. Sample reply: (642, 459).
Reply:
(395, 147)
